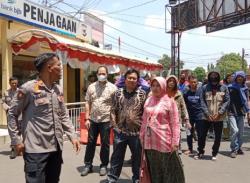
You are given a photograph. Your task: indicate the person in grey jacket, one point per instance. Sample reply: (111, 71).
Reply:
(45, 120)
(215, 100)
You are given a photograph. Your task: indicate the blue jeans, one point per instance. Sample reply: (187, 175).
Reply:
(120, 144)
(237, 130)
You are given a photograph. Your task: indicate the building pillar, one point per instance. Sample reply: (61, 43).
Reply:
(6, 65)
(82, 75)
(65, 73)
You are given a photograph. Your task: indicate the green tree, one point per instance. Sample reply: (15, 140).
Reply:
(230, 63)
(210, 67)
(200, 73)
(166, 62)
(181, 64)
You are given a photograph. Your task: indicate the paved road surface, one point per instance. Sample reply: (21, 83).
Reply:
(224, 170)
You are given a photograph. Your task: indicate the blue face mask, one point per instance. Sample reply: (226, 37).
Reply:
(102, 78)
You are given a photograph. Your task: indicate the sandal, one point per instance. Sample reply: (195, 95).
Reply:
(188, 152)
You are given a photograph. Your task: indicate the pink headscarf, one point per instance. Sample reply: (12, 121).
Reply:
(162, 83)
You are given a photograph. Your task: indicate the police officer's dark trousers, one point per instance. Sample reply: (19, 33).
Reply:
(43, 167)
(95, 129)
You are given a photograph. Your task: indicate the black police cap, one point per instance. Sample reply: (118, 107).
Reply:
(42, 59)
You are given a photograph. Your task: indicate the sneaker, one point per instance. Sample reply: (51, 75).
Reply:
(198, 156)
(103, 171)
(240, 152)
(12, 153)
(214, 158)
(86, 170)
(233, 154)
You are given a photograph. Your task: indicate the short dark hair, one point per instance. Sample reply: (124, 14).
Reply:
(43, 58)
(102, 66)
(130, 71)
(13, 78)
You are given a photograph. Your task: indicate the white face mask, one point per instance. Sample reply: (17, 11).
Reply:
(102, 78)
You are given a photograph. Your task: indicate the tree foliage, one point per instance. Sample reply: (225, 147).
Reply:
(210, 67)
(200, 73)
(166, 62)
(230, 63)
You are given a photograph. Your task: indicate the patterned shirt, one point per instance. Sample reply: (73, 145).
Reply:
(99, 96)
(127, 110)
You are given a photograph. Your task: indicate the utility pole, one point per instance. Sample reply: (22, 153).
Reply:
(178, 55)
(173, 46)
(175, 39)
(119, 44)
(175, 36)
(243, 59)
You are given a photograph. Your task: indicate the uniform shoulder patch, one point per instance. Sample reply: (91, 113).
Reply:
(37, 88)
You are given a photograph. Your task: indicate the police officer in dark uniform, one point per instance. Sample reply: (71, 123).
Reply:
(45, 120)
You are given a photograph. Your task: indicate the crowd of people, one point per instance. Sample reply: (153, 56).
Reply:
(145, 114)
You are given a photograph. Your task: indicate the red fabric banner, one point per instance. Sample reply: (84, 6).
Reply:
(83, 55)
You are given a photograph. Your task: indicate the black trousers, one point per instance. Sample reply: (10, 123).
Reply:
(218, 126)
(198, 126)
(42, 167)
(95, 129)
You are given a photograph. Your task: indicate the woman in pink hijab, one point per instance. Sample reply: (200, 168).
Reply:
(159, 135)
